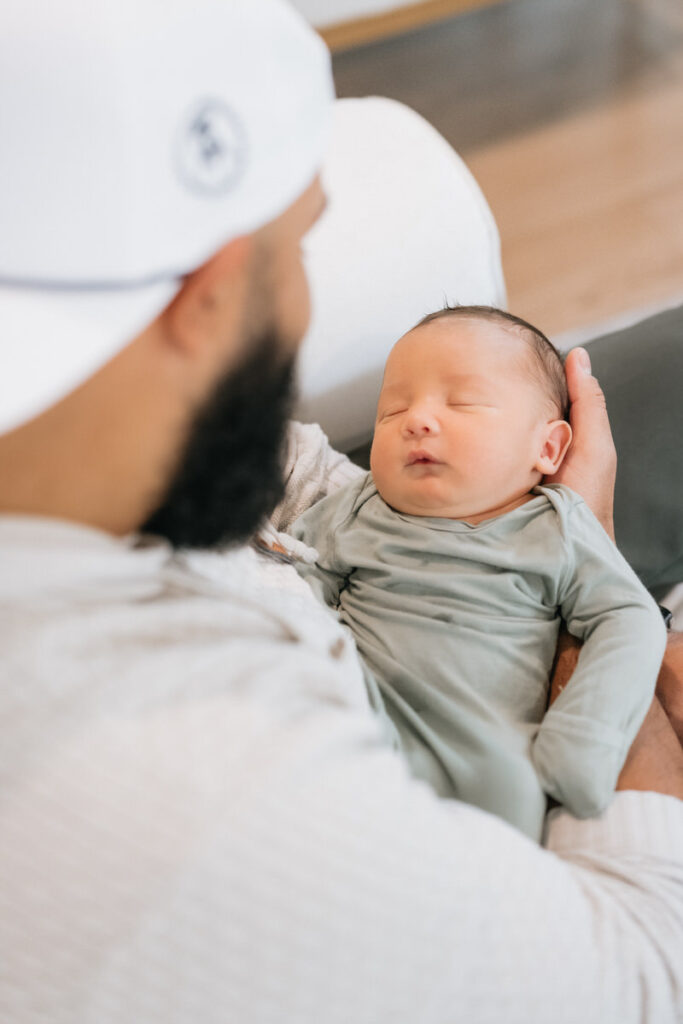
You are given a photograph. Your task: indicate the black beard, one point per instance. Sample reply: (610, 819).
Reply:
(230, 474)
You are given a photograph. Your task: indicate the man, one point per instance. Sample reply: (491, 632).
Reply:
(199, 820)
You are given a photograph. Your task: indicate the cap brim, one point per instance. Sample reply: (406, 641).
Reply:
(56, 339)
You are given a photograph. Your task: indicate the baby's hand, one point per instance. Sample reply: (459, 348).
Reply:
(590, 467)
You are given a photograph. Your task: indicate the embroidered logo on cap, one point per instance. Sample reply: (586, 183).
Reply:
(211, 148)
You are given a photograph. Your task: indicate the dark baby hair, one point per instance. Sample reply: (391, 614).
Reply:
(547, 366)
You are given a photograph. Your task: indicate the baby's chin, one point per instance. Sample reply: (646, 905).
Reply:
(430, 506)
(431, 499)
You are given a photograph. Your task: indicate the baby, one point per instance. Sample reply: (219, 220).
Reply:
(452, 565)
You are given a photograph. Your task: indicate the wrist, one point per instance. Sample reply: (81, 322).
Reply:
(655, 760)
(670, 683)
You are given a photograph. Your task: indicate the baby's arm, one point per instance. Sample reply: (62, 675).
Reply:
(313, 469)
(583, 739)
(321, 527)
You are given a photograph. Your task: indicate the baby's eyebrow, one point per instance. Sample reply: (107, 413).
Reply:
(453, 379)
(466, 378)
(392, 389)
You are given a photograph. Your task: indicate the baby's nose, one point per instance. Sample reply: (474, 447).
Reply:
(419, 421)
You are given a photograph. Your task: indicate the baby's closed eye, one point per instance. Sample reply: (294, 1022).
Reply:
(459, 404)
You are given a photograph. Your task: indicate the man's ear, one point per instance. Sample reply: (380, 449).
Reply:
(557, 437)
(209, 307)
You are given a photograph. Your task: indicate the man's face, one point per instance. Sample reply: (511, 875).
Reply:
(460, 421)
(287, 281)
(229, 475)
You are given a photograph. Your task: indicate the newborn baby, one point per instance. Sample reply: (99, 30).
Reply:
(452, 566)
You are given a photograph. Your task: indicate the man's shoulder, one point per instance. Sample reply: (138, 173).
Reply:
(208, 623)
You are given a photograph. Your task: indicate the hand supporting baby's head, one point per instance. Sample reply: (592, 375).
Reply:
(470, 416)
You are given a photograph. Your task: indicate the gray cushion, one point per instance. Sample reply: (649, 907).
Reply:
(640, 369)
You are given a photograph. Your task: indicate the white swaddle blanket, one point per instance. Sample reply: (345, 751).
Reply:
(313, 469)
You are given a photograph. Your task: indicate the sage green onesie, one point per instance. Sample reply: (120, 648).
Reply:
(457, 627)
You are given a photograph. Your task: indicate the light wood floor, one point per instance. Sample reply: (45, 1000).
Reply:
(570, 115)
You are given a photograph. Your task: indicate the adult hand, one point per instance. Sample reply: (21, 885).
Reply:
(566, 657)
(590, 467)
(655, 761)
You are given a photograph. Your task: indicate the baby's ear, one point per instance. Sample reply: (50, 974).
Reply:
(556, 439)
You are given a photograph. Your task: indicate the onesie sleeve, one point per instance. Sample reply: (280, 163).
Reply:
(583, 740)
(322, 528)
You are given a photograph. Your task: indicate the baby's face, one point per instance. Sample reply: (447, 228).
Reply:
(462, 426)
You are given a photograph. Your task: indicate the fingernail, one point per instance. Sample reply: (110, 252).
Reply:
(584, 360)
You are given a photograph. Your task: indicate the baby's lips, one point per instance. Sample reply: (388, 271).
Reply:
(422, 456)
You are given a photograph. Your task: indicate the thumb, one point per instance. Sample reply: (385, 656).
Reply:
(588, 409)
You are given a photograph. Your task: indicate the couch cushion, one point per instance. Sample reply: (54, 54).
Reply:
(640, 369)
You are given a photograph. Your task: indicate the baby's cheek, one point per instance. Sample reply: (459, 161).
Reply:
(377, 453)
(380, 466)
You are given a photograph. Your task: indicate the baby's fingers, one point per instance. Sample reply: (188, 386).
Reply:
(591, 463)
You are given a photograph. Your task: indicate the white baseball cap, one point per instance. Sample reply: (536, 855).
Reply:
(136, 138)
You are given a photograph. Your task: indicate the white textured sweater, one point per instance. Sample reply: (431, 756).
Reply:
(200, 822)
